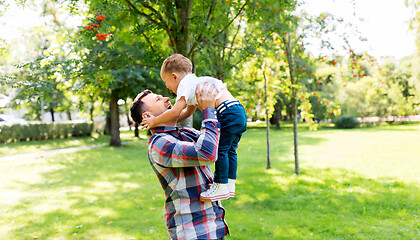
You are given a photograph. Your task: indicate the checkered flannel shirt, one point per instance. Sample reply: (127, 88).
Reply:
(180, 158)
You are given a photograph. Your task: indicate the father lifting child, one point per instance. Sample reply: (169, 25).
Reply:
(176, 72)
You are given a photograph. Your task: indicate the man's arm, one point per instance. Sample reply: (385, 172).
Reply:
(168, 151)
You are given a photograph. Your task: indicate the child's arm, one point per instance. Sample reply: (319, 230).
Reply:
(171, 114)
(188, 111)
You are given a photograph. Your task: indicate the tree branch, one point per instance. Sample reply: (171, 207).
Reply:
(233, 19)
(221, 45)
(148, 41)
(199, 39)
(158, 15)
(233, 41)
(149, 17)
(171, 19)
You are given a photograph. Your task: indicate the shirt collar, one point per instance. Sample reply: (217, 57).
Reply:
(162, 129)
(189, 75)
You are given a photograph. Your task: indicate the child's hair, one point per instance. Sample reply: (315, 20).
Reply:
(176, 63)
(138, 108)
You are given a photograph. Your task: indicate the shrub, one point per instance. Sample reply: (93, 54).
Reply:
(346, 121)
(41, 131)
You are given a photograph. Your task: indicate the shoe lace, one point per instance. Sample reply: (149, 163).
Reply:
(213, 187)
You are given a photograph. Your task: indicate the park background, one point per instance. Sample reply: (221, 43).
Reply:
(331, 150)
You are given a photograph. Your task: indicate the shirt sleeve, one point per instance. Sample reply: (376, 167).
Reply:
(186, 89)
(168, 151)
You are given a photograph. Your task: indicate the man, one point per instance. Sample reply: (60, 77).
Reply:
(180, 158)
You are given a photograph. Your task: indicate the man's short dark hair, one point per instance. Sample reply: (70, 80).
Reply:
(138, 108)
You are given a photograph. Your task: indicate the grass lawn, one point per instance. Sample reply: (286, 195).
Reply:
(44, 145)
(355, 184)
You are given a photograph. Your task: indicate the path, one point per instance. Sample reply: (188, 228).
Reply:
(47, 152)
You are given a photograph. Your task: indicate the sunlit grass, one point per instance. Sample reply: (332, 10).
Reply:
(355, 184)
(43, 145)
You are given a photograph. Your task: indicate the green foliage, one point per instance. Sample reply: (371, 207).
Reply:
(346, 121)
(387, 89)
(43, 131)
(318, 109)
(356, 184)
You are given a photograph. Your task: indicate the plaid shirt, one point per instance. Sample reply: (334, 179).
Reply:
(180, 158)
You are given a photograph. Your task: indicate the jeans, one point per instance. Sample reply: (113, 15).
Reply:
(233, 124)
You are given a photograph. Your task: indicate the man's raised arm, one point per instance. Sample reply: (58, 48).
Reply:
(169, 151)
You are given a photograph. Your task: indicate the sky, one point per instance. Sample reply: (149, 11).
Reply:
(16, 19)
(385, 25)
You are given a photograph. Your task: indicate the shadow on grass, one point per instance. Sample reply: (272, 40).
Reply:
(103, 193)
(303, 127)
(112, 193)
(321, 204)
(281, 144)
(32, 146)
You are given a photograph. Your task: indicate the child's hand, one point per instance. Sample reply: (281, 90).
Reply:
(147, 122)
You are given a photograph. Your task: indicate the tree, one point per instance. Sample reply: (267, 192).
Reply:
(284, 30)
(41, 90)
(192, 28)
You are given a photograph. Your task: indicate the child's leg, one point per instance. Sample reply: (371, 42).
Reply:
(233, 158)
(219, 189)
(233, 124)
(222, 164)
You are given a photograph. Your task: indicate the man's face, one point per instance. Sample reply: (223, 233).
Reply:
(156, 104)
(171, 80)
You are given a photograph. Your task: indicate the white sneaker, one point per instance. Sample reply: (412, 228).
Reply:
(231, 187)
(217, 191)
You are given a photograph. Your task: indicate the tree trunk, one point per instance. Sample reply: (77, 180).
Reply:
(115, 121)
(275, 119)
(267, 120)
(107, 130)
(129, 122)
(136, 130)
(294, 103)
(278, 117)
(182, 23)
(68, 115)
(295, 134)
(181, 36)
(52, 114)
(92, 107)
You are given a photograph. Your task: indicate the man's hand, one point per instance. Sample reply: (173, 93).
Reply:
(206, 96)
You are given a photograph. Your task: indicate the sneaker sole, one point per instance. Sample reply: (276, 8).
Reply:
(221, 197)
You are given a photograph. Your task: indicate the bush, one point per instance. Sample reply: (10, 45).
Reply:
(41, 131)
(346, 121)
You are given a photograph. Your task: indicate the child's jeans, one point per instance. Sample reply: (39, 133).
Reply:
(232, 118)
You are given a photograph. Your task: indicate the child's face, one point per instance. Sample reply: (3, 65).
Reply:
(171, 80)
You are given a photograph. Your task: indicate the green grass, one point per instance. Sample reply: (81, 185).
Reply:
(355, 184)
(44, 145)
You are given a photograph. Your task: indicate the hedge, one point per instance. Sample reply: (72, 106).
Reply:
(346, 121)
(41, 131)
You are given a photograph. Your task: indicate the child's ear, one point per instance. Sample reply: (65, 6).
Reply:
(146, 115)
(174, 76)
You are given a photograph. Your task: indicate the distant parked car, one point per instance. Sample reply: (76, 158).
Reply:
(10, 119)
